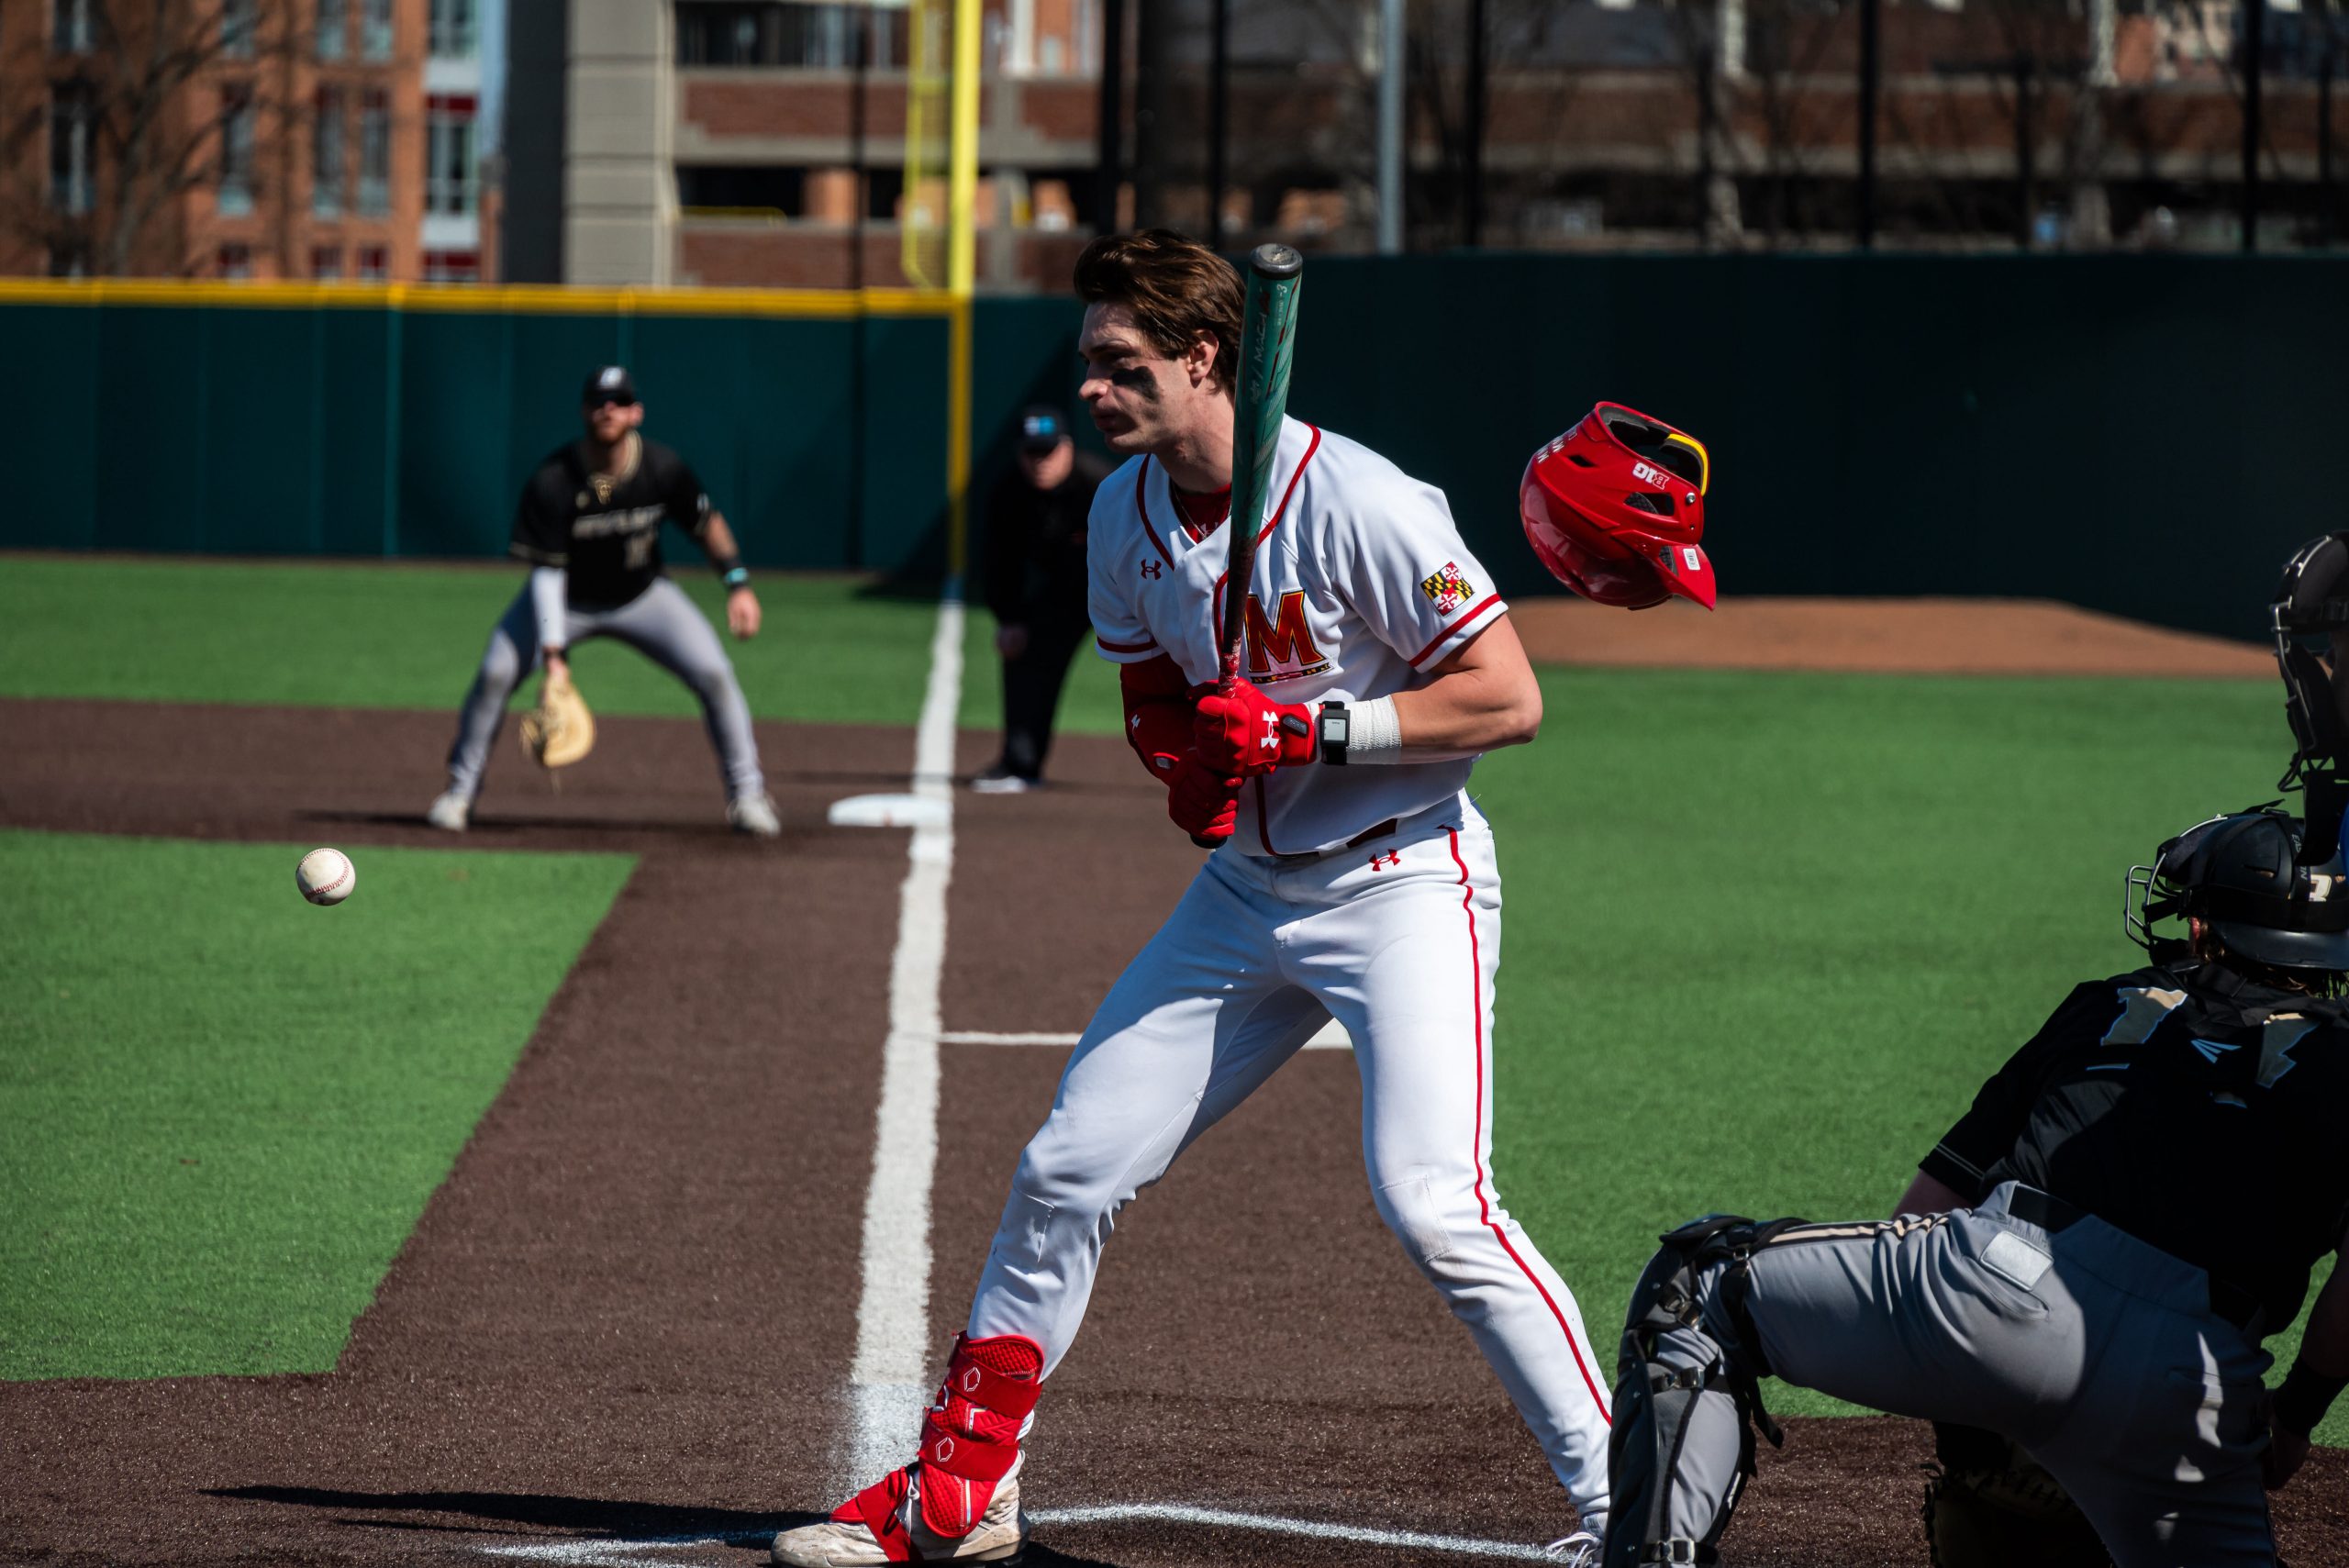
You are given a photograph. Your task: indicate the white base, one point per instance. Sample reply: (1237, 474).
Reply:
(888, 811)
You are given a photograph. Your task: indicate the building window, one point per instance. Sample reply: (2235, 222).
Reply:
(71, 119)
(236, 260)
(453, 266)
(325, 263)
(375, 28)
(68, 27)
(771, 32)
(375, 155)
(453, 29)
(236, 152)
(744, 188)
(374, 263)
(236, 29)
(452, 179)
(330, 28)
(330, 170)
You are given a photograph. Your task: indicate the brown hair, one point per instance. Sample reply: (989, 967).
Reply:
(1179, 290)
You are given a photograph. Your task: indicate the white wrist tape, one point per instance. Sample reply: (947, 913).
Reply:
(1374, 733)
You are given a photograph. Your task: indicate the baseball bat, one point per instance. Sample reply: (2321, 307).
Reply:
(1267, 349)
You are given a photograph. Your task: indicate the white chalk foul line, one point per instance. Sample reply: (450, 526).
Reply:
(1275, 1524)
(636, 1553)
(893, 1310)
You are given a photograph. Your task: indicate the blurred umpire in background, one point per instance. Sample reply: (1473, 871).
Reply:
(1036, 587)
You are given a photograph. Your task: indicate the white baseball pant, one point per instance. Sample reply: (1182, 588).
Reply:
(1398, 938)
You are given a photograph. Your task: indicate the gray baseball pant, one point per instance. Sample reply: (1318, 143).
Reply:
(2098, 1353)
(660, 623)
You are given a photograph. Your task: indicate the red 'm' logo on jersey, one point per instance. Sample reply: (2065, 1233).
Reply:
(1286, 644)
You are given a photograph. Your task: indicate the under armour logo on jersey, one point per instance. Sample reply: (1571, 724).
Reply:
(1386, 859)
(1149, 570)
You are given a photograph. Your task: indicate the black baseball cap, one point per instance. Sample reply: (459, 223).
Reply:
(611, 385)
(1043, 428)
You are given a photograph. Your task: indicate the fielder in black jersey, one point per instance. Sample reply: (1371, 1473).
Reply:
(2085, 1266)
(589, 525)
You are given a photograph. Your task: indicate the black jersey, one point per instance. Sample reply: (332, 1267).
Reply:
(2188, 1107)
(1035, 546)
(608, 542)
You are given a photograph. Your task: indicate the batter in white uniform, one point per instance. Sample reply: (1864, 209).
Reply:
(1354, 880)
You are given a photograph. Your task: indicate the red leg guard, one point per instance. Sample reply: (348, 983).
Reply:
(971, 1438)
(878, 1509)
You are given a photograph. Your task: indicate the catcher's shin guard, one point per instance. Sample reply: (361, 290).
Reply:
(1682, 1445)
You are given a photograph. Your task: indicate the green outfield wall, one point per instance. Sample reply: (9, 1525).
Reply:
(2147, 435)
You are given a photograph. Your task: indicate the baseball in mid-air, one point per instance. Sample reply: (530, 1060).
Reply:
(326, 876)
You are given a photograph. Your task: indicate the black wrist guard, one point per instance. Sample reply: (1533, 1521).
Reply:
(731, 572)
(2304, 1397)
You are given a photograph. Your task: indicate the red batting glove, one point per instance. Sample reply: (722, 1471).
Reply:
(1203, 803)
(1247, 733)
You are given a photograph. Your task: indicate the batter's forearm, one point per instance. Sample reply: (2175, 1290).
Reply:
(1469, 712)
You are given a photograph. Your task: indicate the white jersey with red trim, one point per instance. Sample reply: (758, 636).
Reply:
(1360, 587)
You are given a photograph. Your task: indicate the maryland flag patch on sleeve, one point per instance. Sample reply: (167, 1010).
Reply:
(1447, 589)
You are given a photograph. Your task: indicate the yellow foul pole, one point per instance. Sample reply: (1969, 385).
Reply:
(961, 271)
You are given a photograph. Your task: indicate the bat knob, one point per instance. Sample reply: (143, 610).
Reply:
(1273, 260)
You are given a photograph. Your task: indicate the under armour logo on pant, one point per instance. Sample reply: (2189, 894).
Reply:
(1389, 858)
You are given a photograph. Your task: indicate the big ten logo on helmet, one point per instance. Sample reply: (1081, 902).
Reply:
(1283, 649)
(1654, 476)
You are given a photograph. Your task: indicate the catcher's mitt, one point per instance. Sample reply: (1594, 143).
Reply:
(560, 730)
(1990, 1504)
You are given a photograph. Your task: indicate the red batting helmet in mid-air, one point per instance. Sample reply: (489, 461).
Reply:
(1615, 507)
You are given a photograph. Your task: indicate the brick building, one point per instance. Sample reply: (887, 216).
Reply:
(291, 140)
(760, 141)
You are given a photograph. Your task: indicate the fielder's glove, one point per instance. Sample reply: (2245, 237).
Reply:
(1990, 1504)
(560, 730)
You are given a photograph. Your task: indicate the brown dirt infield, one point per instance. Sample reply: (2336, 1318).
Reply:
(627, 1314)
(1913, 637)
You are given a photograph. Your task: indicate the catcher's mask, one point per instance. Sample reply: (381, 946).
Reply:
(2245, 877)
(1615, 508)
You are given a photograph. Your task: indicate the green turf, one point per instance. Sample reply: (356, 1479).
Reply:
(1090, 704)
(1767, 934)
(367, 635)
(227, 1108)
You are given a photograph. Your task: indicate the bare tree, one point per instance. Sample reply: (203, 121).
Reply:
(160, 98)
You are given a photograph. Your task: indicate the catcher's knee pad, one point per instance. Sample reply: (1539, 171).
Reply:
(970, 1438)
(1686, 1405)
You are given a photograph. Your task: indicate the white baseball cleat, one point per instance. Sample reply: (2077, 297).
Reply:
(754, 815)
(453, 813)
(1580, 1549)
(999, 1536)
(1002, 783)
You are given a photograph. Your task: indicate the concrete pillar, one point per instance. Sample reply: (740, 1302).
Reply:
(620, 181)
